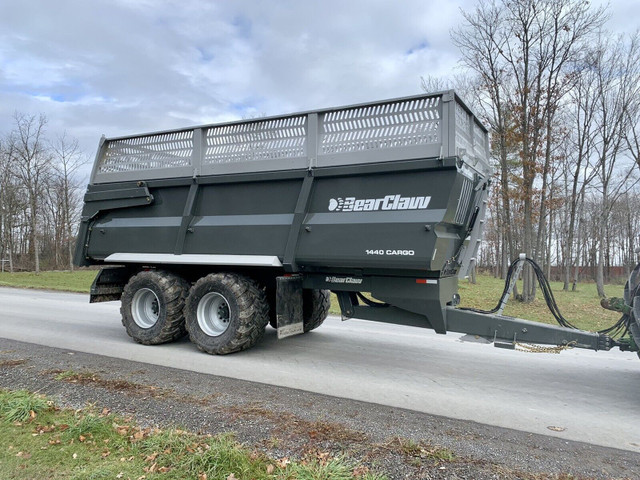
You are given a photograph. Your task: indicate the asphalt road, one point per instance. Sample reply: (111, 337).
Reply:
(592, 397)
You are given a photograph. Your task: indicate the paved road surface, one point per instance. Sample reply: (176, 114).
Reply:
(592, 396)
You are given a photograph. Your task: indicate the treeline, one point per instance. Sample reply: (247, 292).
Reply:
(618, 246)
(561, 97)
(40, 193)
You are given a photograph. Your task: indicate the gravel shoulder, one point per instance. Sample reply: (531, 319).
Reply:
(286, 422)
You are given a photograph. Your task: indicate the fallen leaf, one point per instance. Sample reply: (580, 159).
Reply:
(322, 456)
(556, 429)
(152, 457)
(270, 469)
(283, 462)
(202, 476)
(164, 469)
(232, 477)
(360, 471)
(82, 438)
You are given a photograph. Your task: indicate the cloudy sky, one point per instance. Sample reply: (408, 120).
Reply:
(117, 67)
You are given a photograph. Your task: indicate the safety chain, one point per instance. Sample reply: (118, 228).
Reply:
(525, 347)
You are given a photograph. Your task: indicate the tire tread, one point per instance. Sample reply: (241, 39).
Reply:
(174, 290)
(253, 312)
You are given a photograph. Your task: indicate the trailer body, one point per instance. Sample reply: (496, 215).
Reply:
(387, 198)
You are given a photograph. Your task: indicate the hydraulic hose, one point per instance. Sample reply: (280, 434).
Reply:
(619, 328)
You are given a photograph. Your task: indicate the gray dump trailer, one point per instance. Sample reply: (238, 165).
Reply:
(219, 230)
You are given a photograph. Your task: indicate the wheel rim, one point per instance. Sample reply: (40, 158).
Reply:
(145, 308)
(213, 314)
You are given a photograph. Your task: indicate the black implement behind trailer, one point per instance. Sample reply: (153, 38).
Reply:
(221, 229)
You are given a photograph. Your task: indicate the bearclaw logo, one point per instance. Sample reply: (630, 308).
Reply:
(390, 202)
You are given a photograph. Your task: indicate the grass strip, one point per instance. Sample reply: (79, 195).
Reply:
(76, 281)
(39, 440)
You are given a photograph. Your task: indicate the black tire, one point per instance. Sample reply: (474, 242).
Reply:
(226, 313)
(152, 307)
(315, 309)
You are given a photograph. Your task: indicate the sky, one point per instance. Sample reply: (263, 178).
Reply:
(120, 67)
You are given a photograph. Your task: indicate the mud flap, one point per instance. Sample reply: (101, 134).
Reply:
(289, 306)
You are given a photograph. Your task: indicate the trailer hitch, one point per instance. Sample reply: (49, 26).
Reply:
(616, 305)
(627, 345)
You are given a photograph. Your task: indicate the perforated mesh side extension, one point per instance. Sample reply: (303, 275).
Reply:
(463, 202)
(149, 152)
(463, 122)
(255, 141)
(389, 125)
(479, 141)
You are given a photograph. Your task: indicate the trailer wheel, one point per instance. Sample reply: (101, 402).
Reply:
(226, 313)
(152, 307)
(315, 308)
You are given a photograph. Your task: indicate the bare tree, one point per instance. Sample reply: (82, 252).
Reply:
(30, 163)
(632, 135)
(521, 49)
(615, 65)
(68, 159)
(581, 138)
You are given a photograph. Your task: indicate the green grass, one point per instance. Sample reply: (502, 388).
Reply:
(21, 405)
(76, 281)
(46, 442)
(582, 307)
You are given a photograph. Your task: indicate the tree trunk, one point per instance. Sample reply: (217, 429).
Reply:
(34, 235)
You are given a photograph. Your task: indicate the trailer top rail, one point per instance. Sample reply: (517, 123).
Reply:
(437, 125)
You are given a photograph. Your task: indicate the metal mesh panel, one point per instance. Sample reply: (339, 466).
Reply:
(255, 141)
(161, 151)
(394, 130)
(389, 125)
(479, 141)
(463, 202)
(463, 124)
